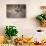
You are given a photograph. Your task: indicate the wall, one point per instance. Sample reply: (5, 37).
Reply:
(26, 26)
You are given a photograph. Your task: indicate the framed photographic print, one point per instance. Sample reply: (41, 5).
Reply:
(16, 10)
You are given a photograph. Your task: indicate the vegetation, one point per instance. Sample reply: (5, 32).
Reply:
(41, 17)
(11, 31)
